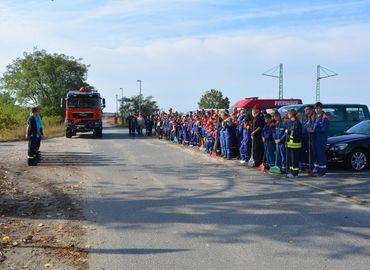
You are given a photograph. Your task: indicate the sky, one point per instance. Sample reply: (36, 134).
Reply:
(182, 48)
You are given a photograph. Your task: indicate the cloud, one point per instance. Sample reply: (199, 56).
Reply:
(178, 71)
(183, 49)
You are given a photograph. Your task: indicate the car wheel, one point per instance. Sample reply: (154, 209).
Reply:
(357, 160)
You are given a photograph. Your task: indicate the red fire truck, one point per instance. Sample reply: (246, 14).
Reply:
(84, 112)
(265, 104)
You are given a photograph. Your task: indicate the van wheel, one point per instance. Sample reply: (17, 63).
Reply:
(357, 160)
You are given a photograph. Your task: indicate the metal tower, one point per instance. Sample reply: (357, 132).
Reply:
(272, 73)
(327, 73)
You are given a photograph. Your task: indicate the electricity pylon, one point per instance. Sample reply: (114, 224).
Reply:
(273, 73)
(327, 73)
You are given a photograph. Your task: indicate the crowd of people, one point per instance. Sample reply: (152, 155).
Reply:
(291, 142)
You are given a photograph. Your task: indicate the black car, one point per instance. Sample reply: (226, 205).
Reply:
(352, 148)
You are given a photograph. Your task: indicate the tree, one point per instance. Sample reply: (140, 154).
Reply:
(213, 99)
(42, 78)
(131, 105)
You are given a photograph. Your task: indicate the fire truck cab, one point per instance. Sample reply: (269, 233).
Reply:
(84, 112)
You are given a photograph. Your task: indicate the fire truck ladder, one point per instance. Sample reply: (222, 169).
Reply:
(273, 73)
(326, 74)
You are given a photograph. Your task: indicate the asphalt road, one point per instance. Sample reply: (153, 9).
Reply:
(156, 205)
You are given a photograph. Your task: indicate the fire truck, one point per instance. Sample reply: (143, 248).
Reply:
(84, 112)
(264, 104)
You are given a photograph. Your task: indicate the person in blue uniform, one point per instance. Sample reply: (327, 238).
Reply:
(195, 132)
(294, 143)
(31, 136)
(268, 140)
(185, 131)
(223, 135)
(307, 123)
(230, 138)
(246, 143)
(319, 140)
(279, 137)
(240, 127)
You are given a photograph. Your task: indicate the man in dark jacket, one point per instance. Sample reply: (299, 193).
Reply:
(257, 127)
(31, 135)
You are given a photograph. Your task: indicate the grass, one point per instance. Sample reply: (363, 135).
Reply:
(52, 128)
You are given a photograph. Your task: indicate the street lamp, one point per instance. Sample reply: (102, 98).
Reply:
(116, 104)
(121, 93)
(139, 81)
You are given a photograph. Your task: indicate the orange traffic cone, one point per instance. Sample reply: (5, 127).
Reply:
(200, 144)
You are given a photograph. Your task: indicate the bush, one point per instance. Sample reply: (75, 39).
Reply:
(12, 116)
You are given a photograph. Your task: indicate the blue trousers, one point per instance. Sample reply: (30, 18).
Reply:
(270, 149)
(195, 139)
(245, 150)
(222, 143)
(319, 153)
(282, 157)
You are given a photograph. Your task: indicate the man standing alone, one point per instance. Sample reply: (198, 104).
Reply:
(31, 135)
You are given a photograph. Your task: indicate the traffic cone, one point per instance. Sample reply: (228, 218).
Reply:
(200, 144)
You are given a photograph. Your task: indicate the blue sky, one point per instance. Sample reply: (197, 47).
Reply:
(179, 49)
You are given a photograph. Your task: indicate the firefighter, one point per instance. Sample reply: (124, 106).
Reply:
(294, 143)
(319, 140)
(40, 133)
(279, 137)
(258, 124)
(31, 135)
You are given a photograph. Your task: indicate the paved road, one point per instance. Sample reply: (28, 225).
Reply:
(156, 205)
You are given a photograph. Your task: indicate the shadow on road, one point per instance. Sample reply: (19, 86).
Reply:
(77, 159)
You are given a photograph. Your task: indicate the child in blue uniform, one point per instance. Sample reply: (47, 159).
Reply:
(268, 140)
(279, 137)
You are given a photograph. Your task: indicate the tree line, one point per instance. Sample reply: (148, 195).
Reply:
(41, 78)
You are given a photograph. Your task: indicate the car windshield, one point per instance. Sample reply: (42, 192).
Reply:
(360, 128)
(77, 102)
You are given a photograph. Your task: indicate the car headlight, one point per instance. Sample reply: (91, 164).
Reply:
(339, 147)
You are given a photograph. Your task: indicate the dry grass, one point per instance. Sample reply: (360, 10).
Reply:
(51, 130)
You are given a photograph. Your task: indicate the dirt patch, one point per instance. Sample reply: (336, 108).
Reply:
(41, 221)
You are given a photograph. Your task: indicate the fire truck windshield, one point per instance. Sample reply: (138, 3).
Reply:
(79, 102)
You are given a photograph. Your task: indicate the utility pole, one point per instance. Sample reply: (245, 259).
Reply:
(272, 73)
(327, 73)
(139, 81)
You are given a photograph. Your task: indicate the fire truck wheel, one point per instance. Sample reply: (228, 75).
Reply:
(68, 133)
(98, 133)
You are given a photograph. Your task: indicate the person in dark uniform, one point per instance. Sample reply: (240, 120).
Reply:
(258, 124)
(31, 135)
(129, 123)
(294, 143)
